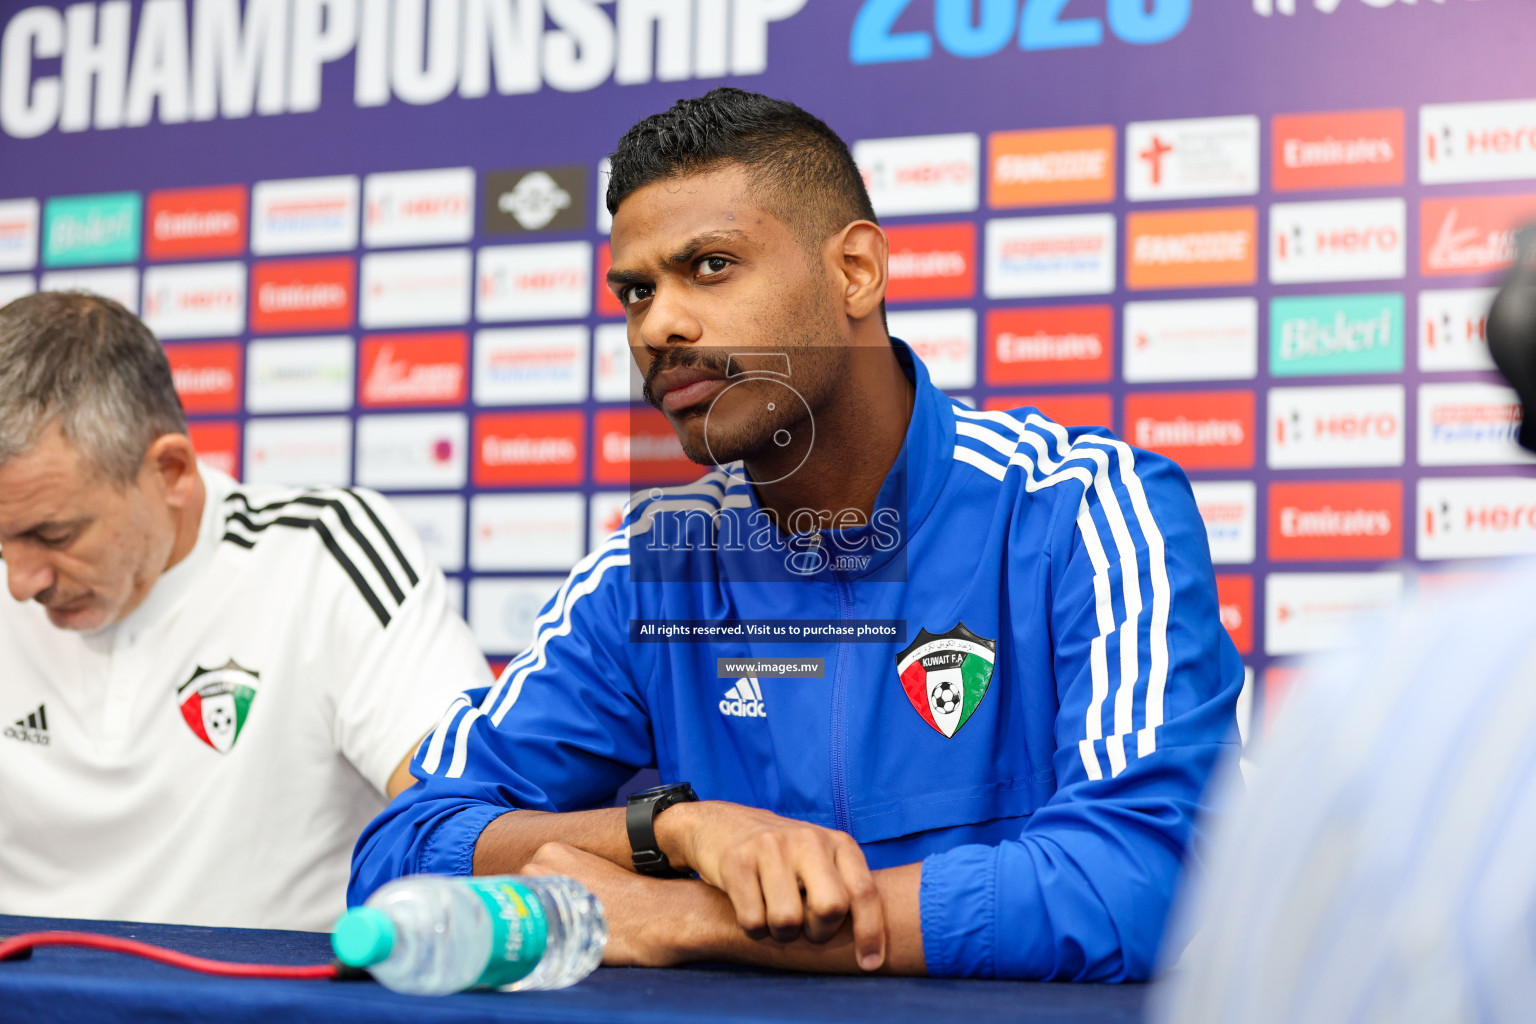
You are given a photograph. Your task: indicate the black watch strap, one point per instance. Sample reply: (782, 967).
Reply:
(640, 822)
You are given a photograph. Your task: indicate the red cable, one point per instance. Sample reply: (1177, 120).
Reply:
(23, 943)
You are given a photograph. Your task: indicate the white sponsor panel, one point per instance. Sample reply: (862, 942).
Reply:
(1326, 427)
(304, 215)
(921, 173)
(195, 300)
(1038, 256)
(14, 286)
(1228, 508)
(545, 281)
(1320, 611)
(1192, 158)
(605, 514)
(1477, 141)
(301, 451)
(1476, 517)
(502, 611)
(419, 207)
(1471, 424)
(18, 234)
(526, 532)
(300, 374)
(604, 218)
(438, 520)
(944, 339)
(415, 289)
(615, 376)
(531, 365)
(120, 284)
(1348, 240)
(1453, 329)
(413, 451)
(1197, 339)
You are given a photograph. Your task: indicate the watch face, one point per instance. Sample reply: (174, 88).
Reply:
(676, 789)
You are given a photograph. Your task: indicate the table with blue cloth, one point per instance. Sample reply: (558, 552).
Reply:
(84, 985)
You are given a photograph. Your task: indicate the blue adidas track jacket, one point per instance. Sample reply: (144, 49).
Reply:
(1038, 736)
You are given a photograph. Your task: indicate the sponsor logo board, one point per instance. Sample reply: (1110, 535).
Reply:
(217, 444)
(931, 261)
(502, 611)
(637, 447)
(608, 305)
(615, 375)
(526, 532)
(1477, 141)
(18, 234)
(1207, 248)
(195, 299)
(1348, 149)
(419, 207)
(1192, 159)
(1053, 167)
(193, 223)
(1234, 599)
(1453, 329)
(604, 218)
(531, 365)
(304, 215)
(302, 295)
(518, 449)
(438, 520)
(921, 174)
(605, 514)
(535, 199)
(1227, 508)
(1068, 410)
(1050, 345)
(83, 230)
(1476, 517)
(415, 289)
(301, 451)
(424, 451)
(1043, 256)
(1314, 335)
(299, 374)
(1194, 339)
(1336, 522)
(944, 339)
(549, 281)
(206, 375)
(1470, 424)
(1345, 240)
(120, 284)
(1336, 427)
(1196, 429)
(414, 369)
(1319, 611)
(1471, 235)
(14, 286)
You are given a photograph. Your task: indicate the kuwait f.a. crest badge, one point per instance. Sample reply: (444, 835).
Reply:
(946, 676)
(217, 701)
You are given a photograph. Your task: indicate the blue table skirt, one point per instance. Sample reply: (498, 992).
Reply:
(93, 987)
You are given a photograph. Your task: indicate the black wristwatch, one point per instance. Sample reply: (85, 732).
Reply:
(640, 820)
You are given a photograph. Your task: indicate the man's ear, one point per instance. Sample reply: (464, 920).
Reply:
(862, 250)
(172, 461)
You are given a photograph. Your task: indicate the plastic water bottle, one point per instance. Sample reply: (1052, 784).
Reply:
(433, 935)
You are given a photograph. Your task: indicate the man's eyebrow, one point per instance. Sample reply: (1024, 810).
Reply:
(51, 526)
(690, 249)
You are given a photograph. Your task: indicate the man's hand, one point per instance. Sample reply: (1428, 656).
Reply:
(785, 878)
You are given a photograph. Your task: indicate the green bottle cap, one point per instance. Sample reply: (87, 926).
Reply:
(363, 937)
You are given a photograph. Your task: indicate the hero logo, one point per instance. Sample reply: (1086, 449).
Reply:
(418, 207)
(1336, 427)
(534, 282)
(1477, 141)
(944, 339)
(1337, 241)
(1469, 424)
(1453, 329)
(922, 174)
(1476, 517)
(199, 299)
(744, 700)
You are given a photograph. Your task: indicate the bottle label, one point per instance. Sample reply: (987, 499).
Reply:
(519, 929)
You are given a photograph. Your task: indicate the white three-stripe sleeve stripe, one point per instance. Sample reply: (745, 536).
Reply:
(434, 756)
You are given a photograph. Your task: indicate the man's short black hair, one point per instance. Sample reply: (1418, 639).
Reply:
(805, 174)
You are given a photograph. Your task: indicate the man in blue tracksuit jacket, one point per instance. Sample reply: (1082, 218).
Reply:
(1003, 783)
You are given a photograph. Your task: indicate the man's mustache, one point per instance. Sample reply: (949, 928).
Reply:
(679, 357)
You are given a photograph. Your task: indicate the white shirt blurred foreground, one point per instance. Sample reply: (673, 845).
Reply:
(1383, 865)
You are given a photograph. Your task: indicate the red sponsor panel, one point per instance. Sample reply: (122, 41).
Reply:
(1336, 522)
(529, 449)
(1068, 410)
(1471, 235)
(637, 447)
(608, 304)
(1348, 149)
(1234, 596)
(497, 665)
(303, 295)
(414, 369)
(1050, 345)
(188, 223)
(207, 375)
(1196, 429)
(931, 261)
(217, 443)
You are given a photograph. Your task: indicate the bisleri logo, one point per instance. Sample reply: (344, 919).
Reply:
(744, 700)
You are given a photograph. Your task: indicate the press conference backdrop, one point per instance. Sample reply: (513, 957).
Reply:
(1255, 235)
